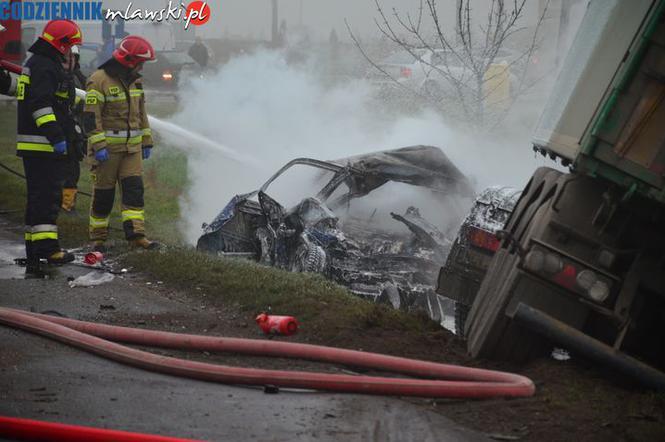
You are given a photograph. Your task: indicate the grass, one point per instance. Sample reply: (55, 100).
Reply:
(322, 304)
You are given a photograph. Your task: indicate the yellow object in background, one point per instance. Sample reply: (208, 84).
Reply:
(496, 86)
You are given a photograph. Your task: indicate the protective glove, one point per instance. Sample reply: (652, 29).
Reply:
(60, 147)
(146, 152)
(102, 155)
(4, 78)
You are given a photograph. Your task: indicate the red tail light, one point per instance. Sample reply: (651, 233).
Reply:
(405, 72)
(572, 275)
(483, 239)
(566, 277)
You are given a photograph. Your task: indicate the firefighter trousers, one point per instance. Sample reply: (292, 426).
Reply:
(124, 169)
(44, 178)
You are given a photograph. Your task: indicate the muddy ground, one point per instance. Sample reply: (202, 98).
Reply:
(44, 380)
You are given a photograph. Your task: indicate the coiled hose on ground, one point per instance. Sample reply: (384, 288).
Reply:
(440, 380)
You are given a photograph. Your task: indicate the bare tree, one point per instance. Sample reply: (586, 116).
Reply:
(461, 66)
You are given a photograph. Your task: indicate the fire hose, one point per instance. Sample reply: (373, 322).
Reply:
(33, 430)
(441, 380)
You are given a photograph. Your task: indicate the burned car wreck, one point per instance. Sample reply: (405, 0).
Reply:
(353, 223)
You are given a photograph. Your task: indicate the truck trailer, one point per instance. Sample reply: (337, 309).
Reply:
(582, 257)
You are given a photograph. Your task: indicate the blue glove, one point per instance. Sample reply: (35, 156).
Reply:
(60, 148)
(146, 152)
(102, 155)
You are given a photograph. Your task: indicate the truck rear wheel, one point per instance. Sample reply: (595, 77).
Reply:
(461, 313)
(490, 333)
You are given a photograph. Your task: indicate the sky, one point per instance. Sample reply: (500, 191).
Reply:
(253, 17)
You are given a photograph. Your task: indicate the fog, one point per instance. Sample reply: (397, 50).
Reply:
(267, 107)
(268, 110)
(252, 18)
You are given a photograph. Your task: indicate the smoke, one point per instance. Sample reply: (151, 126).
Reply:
(268, 110)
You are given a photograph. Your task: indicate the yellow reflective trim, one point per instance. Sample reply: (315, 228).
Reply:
(63, 94)
(128, 215)
(47, 36)
(77, 35)
(96, 138)
(23, 79)
(28, 236)
(44, 235)
(96, 94)
(119, 97)
(35, 147)
(45, 119)
(114, 90)
(98, 222)
(77, 100)
(133, 140)
(147, 132)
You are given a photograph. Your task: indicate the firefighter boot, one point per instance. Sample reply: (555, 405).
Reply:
(142, 242)
(60, 257)
(68, 200)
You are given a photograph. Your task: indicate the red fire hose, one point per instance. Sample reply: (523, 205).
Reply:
(11, 67)
(445, 380)
(32, 430)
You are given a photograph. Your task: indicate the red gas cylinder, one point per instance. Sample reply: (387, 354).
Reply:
(277, 325)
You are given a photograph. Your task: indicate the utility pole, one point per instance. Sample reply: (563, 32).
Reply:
(275, 27)
(300, 15)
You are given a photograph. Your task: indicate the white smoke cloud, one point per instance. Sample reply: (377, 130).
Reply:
(273, 112)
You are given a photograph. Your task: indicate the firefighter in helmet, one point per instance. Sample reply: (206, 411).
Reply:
(43, 118)
(119, 140)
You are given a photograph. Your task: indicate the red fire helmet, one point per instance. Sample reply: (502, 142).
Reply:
(133, 50)
(62, 34)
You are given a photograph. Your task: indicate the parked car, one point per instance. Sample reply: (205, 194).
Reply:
(434, 73)
(353, 220)
(473, 249)
(164, 73)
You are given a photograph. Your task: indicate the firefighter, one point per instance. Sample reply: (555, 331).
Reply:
(76, 140)
(43, 118)
(119, 140)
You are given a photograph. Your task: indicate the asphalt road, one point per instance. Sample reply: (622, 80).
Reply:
(42, 379)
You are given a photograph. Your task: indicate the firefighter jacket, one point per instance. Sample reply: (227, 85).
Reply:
(115, 113)
(43, 95)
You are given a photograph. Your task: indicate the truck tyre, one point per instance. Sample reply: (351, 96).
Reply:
(461, 313)
(490, 333)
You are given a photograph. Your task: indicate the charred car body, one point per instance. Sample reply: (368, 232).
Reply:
(339, 231)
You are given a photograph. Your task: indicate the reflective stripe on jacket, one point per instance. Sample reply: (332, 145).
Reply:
(120, 119)
(42, 93)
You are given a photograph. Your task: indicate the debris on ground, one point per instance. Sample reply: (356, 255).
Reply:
(92, 279)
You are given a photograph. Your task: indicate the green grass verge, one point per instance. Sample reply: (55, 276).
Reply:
(325, 306)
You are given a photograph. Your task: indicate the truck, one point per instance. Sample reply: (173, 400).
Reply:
(581, 260)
